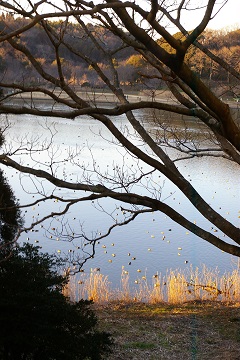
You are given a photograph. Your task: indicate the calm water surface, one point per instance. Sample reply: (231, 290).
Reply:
(153, 242)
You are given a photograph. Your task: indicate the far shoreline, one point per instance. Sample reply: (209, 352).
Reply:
(32, 99)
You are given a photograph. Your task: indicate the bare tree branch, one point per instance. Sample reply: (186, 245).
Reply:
(157, 63)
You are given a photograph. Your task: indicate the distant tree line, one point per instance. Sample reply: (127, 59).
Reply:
(132, 68)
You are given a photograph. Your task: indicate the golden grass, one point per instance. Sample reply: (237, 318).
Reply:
(176, 287)
(94, 286)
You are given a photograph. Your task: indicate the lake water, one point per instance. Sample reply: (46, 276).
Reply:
(153, 242)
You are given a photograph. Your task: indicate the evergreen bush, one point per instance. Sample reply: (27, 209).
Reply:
(37, 321)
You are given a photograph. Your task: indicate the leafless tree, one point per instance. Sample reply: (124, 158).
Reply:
(143, 26)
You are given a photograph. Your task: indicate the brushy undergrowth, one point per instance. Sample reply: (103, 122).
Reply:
(175, 287)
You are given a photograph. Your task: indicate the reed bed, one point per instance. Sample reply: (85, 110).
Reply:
(175, 287)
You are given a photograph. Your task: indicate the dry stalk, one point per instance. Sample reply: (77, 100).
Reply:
(175, 287)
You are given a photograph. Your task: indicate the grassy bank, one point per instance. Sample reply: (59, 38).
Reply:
(202, 330)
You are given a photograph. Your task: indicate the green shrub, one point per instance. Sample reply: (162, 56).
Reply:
(37, 321)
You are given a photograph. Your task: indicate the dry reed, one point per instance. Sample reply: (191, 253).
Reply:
(177, 286)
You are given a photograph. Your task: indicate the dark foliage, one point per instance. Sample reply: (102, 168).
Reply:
(36, 320)
(10, 217)
(1, 135)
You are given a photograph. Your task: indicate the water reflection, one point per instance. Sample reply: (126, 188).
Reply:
(152, 242)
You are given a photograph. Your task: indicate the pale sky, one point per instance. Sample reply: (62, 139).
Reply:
(227, 17)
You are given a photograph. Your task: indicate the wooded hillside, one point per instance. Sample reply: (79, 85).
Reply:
(132, 68)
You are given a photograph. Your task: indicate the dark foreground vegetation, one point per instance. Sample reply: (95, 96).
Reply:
(37, 321)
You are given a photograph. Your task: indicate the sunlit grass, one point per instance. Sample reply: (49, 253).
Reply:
(94, 287)
(175, 287)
